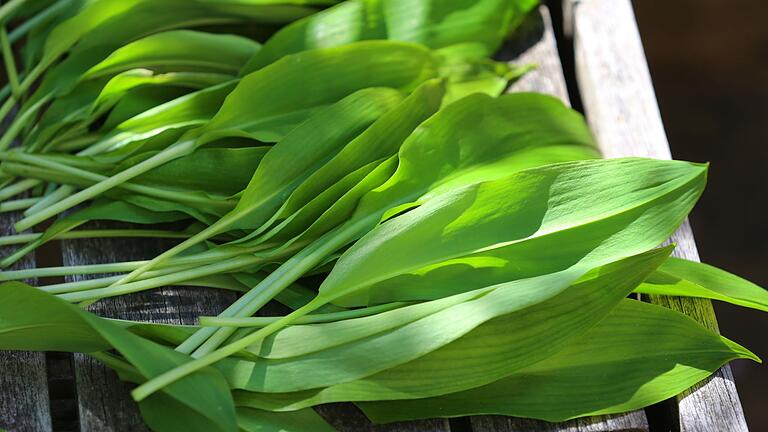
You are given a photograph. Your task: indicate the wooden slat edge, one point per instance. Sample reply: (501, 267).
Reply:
(24, 400)
(535, 43)
(621, 108)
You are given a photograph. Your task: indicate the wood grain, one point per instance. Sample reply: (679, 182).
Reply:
(621, 108)
(24, 401)
(619, 423)
(535, 43)
(104, 401)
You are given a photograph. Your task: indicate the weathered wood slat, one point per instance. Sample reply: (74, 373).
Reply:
(104, 401)
(535, 43)
(618, 423)
(24, 401)
(620, 105)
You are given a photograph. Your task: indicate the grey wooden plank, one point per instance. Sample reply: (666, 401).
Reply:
(24, 401)
(104, 401)
(345, 417)
(620, 423)
(620, 105)
(535, 43)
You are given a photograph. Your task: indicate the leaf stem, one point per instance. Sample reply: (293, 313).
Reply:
(69, 270)
(217, 228)
(38, 70)
(173, 152)
(208, 321)
(91, 284)
(295, 267)
(170, 279)
(10, 62)
(40, 17)
(48, 200)
(17, 188)
(20, 204)
(153, 385)
(34, 244)
(196, 259)
(171, 195)
(20, 121)
(83, 234)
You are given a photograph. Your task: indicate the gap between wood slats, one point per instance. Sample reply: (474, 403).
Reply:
(62, 392)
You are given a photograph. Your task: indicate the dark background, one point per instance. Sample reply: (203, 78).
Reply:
(709, 63)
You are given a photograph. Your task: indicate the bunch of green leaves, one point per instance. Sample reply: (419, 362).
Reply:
(116, 109)
(450, 229)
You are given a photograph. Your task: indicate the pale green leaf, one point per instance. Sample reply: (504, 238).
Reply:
(639, 355)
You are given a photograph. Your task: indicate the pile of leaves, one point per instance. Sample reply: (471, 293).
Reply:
(458, 250)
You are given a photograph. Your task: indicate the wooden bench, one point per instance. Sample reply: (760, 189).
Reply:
(603, 70)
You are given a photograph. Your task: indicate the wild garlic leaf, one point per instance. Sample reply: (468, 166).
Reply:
(178, 50)
(34, 320)
(101, 27)
(586, 208)
(192, 109)
(376, 143)
(125, 82)
(334, 73)
(503, 330)
(286, 165)
(172, 51)
(289, 221)
(679, 277)
(499, 148)
(124, 96)
(433, 23)
(475, 139)
(254, 420)
(201, 170)
(331, 74)
(638, 355)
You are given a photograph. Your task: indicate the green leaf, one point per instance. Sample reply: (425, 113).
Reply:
(192, 109)
(202, 170)
(292, 161)
(34, 320)
(172, 51)
(679, 277)
(121, 84)
(281, 172)
(639, 355)
(433, 23)
(125, 95)
(102, 27)
(124, 212)
(468, 160)
(254, 420)
(312, 198)
(535, 222)
(331, 73)
(502, 330)
(178, 50)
